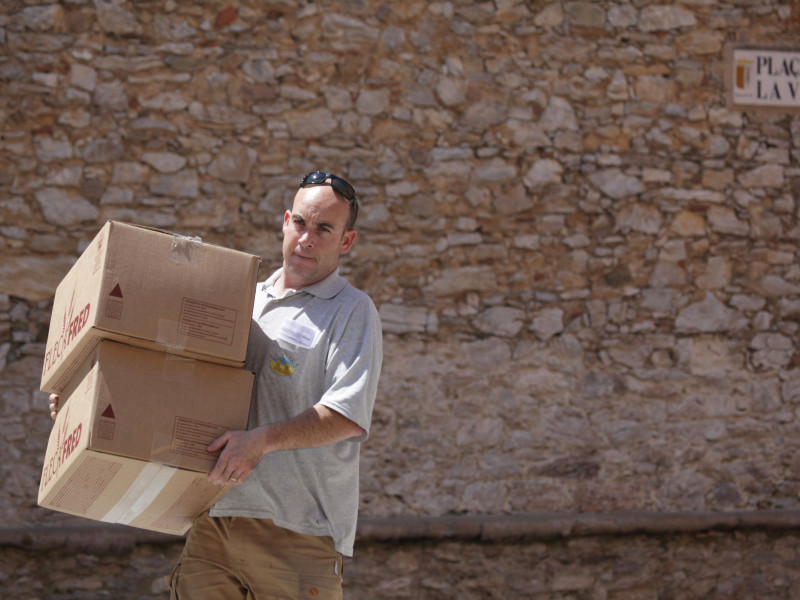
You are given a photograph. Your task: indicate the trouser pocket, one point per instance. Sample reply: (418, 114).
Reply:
(172, 582)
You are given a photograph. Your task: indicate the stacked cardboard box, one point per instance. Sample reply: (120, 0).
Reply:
(147, 338)
(154, 290)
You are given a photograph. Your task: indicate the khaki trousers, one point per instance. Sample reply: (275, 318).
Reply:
(236, 558)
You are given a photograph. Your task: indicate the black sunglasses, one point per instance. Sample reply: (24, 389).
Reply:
(339, 185)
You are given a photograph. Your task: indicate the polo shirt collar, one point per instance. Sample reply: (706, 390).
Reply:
(325, 289)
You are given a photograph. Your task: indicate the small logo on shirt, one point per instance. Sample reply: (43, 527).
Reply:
(282, 365)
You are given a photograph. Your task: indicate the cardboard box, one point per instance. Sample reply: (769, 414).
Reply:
(155, 290)
(129, 442)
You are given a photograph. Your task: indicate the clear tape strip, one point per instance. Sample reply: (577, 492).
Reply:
(183, 247)
(140, 494)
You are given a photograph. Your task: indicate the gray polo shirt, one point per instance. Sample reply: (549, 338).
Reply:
(321, 344)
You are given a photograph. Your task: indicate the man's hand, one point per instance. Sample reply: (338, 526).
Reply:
(53, 406)
(241, 451)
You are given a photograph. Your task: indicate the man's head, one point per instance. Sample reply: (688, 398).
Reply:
(340, 186)
(318, 229)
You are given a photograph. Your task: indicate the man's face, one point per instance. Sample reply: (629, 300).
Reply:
(314, 236)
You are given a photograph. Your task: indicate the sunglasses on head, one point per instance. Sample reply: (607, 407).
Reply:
(339, 185)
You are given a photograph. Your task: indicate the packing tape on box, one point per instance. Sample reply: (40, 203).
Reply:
(183, 248)
(162, 449)
(140, 494)
(178, 369)
(169, 334)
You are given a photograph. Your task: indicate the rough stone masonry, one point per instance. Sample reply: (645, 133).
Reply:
(585, 258)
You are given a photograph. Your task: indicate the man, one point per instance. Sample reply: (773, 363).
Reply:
(315, 346)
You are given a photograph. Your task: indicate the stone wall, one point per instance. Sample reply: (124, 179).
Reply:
(585, 259)
(712, 565)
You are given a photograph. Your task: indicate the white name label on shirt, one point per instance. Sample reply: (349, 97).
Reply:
(298, 334)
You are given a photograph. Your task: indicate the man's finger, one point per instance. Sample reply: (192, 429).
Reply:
(220, 442)
(216, 475)
(53, 405)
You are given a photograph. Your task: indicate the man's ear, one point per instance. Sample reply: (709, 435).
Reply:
(287, 217)
(348, 239)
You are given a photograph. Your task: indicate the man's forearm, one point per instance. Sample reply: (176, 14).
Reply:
(315, 427)
(242, 450)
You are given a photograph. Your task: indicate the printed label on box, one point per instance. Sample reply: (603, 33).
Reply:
(206, 321)
(191, 438)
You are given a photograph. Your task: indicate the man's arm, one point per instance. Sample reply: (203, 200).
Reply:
(242, 450)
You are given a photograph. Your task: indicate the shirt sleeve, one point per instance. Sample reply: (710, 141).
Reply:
(353, 366)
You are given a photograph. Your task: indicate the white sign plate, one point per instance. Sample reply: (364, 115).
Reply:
(766, 78)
